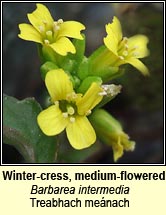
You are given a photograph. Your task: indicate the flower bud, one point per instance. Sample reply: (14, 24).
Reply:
(86, 83)
(47, 67)
(110, 132)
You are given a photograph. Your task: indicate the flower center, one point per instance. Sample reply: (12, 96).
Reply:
(50, 33)
(123, 48)
(125, 51)
(68, 108)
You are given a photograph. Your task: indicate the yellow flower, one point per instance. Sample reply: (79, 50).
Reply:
(46, 31)
(69, 110)
(125, 50)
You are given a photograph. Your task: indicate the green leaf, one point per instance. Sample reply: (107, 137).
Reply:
(20, 130)
(70, 155)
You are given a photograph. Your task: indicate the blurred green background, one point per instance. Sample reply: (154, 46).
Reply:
(139, 107)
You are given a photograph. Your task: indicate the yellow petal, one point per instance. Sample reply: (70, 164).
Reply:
(114, 29)
(140, 44)
(41, 17)
(111, 43)
(51, 121)
(117, 149)
(80, 133)
(28, 32)
(62, 46)
(71, 29)
(123, 144)
(114, 35)
(91, 98)
(58, 84)
(139, 65)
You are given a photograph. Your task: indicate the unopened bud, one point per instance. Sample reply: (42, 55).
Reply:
(110, 132)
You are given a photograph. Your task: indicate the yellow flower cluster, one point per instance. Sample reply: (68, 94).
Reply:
(73, 111)
(69, 110)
